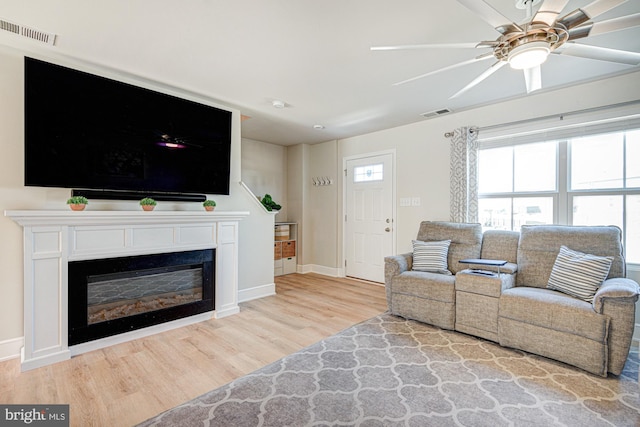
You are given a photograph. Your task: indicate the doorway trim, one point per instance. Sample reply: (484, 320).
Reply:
(346, 159)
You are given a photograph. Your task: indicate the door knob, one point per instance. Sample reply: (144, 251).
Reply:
(387, 229)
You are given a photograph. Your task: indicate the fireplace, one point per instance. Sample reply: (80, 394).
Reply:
(115, 295)
(54, 240)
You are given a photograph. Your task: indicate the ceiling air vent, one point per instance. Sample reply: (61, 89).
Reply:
(435, 113)
(28, 32)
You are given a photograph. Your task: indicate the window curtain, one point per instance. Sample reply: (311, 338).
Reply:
(463, 175)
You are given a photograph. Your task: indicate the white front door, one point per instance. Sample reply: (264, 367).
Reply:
(369, 208)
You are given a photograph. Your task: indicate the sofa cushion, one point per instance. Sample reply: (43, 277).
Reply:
(539, 246)
(427, 285)
(578, 274)
(431, 256)
(500, 244)
(553, 310)
(466, 240)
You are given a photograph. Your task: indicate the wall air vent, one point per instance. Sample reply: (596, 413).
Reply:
(28, 32)
(435, 113)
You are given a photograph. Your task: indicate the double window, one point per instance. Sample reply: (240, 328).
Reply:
(590, 180)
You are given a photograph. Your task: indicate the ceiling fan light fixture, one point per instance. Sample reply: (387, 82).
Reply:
(528, 55)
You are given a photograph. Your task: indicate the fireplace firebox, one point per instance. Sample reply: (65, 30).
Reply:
(115, 295)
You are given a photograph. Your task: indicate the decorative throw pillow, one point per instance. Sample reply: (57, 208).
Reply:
(578, 274)
(431, 256)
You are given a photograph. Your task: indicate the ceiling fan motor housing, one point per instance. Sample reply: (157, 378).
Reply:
(533, 37)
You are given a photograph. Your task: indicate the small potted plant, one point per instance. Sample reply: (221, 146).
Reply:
(148, 204)
(209, 205)
(269, 203)
(77, 203)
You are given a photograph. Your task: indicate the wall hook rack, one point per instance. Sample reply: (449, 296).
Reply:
(321, 181)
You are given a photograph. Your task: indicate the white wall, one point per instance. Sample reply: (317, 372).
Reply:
(313, 207)
(297, 172)
(321, 211)
(422, 155)
(422, 170)
(264, 171)
(256, 231)
(286, 173)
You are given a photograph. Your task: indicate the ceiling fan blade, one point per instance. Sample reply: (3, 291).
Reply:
(548, 12)
(533, 78)
(495, 67)
(496, 19)
(450, 67)
(599, 53)
(590, 11)
(428, 46)
(602, 27)
(598, 7)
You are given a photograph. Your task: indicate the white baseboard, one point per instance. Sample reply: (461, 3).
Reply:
(256, 292)
(10, 349)
(321, 269)
(224, 312)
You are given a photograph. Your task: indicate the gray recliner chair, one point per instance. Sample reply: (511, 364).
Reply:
(594, 336)
(425, 296)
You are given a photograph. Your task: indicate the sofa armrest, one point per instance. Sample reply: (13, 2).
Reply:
(616, 299)
(620, 289)
(393, 266)
(396, 264)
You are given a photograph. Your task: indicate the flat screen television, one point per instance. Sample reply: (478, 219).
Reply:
(84, 131)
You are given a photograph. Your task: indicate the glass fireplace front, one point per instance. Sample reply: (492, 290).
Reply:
(116, 295)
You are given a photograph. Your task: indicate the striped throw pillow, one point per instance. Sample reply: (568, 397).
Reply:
(578, 274)
(431, 256)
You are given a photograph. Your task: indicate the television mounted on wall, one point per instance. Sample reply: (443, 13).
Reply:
(110, 139)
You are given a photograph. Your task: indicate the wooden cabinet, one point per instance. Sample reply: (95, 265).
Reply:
(284, 248)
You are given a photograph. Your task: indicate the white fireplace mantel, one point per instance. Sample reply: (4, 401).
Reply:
(53, 238)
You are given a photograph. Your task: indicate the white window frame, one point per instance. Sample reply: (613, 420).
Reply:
(376, 169)
(563, 196)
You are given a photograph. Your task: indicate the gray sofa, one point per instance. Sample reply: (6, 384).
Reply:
(515, 308)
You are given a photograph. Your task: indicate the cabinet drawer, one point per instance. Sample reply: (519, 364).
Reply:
(288, 249)
(277, 250)
(289, 265)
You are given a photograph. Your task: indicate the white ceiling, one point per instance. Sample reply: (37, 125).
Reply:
(312, 54)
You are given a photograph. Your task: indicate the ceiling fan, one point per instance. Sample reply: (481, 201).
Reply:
(526, 46)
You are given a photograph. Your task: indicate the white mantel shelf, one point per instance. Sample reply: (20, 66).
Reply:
(53, 238)
(89, 217)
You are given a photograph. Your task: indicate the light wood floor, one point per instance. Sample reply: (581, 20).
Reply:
(128, 383)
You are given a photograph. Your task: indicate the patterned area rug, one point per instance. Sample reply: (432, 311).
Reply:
(388, 371)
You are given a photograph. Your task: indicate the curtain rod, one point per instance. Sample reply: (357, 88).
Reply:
(551, 116)
(472, 129)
